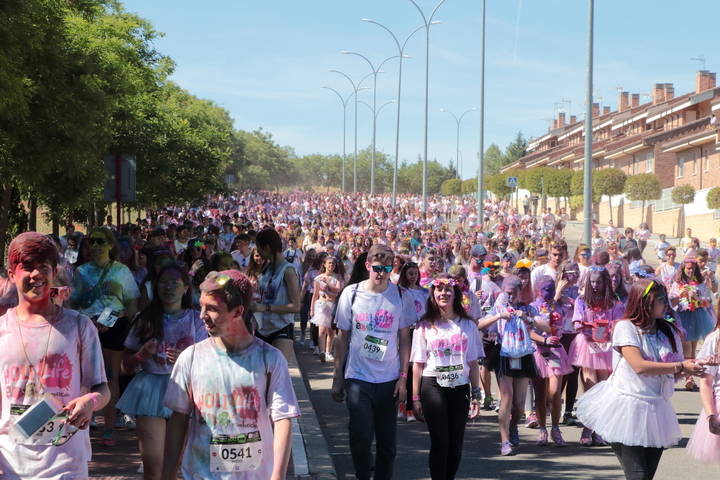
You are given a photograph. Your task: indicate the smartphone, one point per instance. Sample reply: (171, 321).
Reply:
(37, 415)
(107, 318)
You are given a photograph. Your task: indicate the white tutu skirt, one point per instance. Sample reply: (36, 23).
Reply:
(626, 419)
(703, 445)
(322, 314)
(581, 355)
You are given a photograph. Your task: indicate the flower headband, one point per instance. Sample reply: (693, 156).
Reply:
(524, 264)
(596, 268)
(444, 282)
(639, 272)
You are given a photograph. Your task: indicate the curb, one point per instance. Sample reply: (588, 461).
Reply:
(310, 454)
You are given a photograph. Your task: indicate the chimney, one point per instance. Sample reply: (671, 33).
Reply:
(669, 91)
(658, 95)
(635, 100)
(623, 101)
(704, 80)
(573, 119)
(555, 124)
(595, 110)
(561, 119)
(606, 110)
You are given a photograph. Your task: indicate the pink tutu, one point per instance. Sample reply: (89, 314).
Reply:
(581, 355)
(323, 314)
(703, 445)
(557, 364)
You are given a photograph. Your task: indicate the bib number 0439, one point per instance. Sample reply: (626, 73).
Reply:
(374, 348)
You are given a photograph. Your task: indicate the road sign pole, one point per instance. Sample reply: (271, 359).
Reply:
(118, 184)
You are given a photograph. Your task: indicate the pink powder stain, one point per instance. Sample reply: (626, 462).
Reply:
(57, 371)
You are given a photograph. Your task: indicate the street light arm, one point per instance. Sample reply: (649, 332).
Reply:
(466, 112)
(422, 14)
(367, 105)
(362, 80)
(436, 9)
(457, 120)
(397, 42)
(348, 77)
(342, 100)
(363, 57)
(410, 36)
(383, 62)
(384, 105)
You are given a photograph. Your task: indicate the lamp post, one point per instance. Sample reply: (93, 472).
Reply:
(427, 21)
(356, 88)
(401, 53)
(344, 102)
(457, 143)
(587, 174)
(375, 72)
(481, 152)
(376, 113)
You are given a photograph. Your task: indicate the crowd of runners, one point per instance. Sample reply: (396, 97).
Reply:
(181, 325)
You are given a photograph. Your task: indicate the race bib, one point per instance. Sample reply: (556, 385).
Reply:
(598, 347)
(374, 348)
(553, 359)
(515, 363)
(38, 424)
(450, 376)
(235, 453)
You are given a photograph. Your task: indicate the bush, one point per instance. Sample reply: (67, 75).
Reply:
(713, 198)
(452, 186)
(683, 194)
(643, 187)
(497, 184)
(469, 185)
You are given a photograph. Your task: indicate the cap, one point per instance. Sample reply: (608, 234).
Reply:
(478, 251)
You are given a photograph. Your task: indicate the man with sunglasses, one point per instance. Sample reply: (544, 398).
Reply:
(374, 319)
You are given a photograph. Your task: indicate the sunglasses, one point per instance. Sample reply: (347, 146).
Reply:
(97, 241)
(382, 268)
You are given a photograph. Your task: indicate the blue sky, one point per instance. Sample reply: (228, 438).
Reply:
(265, 62)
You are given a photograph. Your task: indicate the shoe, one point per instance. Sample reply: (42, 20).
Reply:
(497, 406)
(506, 449)
(323, 357)
(316, 351)
(329, 357)
(410, 416)
(119, 421)
(129, 422)
(488, 402)
(301, 342)
(586, 437)
(542, 437)
(569, 419)
(401, 412)
(514, 435)
(597, 440)
(107, 439)
(532, 421)
(557, 436)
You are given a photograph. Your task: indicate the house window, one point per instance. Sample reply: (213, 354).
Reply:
(706, 159)
(634, 164)
(680, 165)
(649, 159)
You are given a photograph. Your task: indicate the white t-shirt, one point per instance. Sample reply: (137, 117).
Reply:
(445, 344)
(374, 318)
(242, 260)
(708, 349)
(73, 365)
(178, 332)
(229, 394)
(542, 270)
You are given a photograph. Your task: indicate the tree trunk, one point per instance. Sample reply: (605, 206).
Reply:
(610, 206)
(642, 214)
(32, 217)
(55, 225)
(5, 198)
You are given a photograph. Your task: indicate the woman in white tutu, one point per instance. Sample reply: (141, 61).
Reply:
(632, 410)
(327, 286)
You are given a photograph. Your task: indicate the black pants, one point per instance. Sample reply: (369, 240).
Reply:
(305, 310)
(638, 463)
(372, 414)
(570, 381)
(446, 411)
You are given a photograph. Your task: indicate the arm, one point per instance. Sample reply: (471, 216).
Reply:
(645, 367)
(490, 319)
(293, 286)
(417, 376)
(312, 302)
(341, 350)
(401, 384)
(706, 395)
(81, 408)
(282, 434)
(175, 432)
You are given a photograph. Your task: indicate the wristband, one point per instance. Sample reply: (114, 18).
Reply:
(139, 357)
(94, 397)
(416, 398)
(403, 374)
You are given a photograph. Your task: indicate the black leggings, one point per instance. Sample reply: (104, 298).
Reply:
(638, 463)
(445, 410)
(570, 381)
(305, 310)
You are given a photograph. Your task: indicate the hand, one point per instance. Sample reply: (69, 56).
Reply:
(692, 368)
(712, 360)
(338, 390)
(552, 341)
(400, 392)
(480, 295)
(172, 355)
(714, 424)
(101, 328)
(506, 315)
(474, 408)
(197, 265)
(418, 411)
(80, 411)
(148, 349)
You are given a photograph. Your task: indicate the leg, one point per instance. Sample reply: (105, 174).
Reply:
(652, 460)
(151, 438)
(633, 461)
(385, 429)
(437, 412)
(570, 381)
(323, 341)
(112, 360)
(505, 384)
(361, 426)
(459, 404)
(540, 385)
(589, 378)
(554, 393)
(486, 380)
(520, 387)
(285, 345)
(330, 337)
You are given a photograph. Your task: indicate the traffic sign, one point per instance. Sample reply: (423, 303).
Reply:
(127, 178)
(512, 182)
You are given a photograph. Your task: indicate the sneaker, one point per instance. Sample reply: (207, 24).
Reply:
(597, 440)
(301, 342)
(119, 421)
(107, 439)
(586, 437)
(532, 421)
(557, 436)
(401, 412)
(569, 419)
(323, 357)
(410, 416)
(506, 449)
(497, 406)
(329, 357)
(488, 402)
(129, 422)
(514, 435)
(542, 437)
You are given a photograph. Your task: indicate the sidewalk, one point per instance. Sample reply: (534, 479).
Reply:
(309, 460)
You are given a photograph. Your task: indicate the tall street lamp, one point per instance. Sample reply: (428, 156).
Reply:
(401, 53)
(344, 102)
(587, 174)
(375, 113)
(356, 88)
(427, 21)
(481, 151)
(457, 144)
(375, 72)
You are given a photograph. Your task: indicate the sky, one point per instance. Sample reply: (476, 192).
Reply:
(267, 61)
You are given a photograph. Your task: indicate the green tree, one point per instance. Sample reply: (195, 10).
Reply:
(643, 187)
(713, 198)
(493, 160)
(683, 195)
(497, 184)
(516, 149)
(557, 183)
(469, 185)
(609, 181)
(452, 186)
